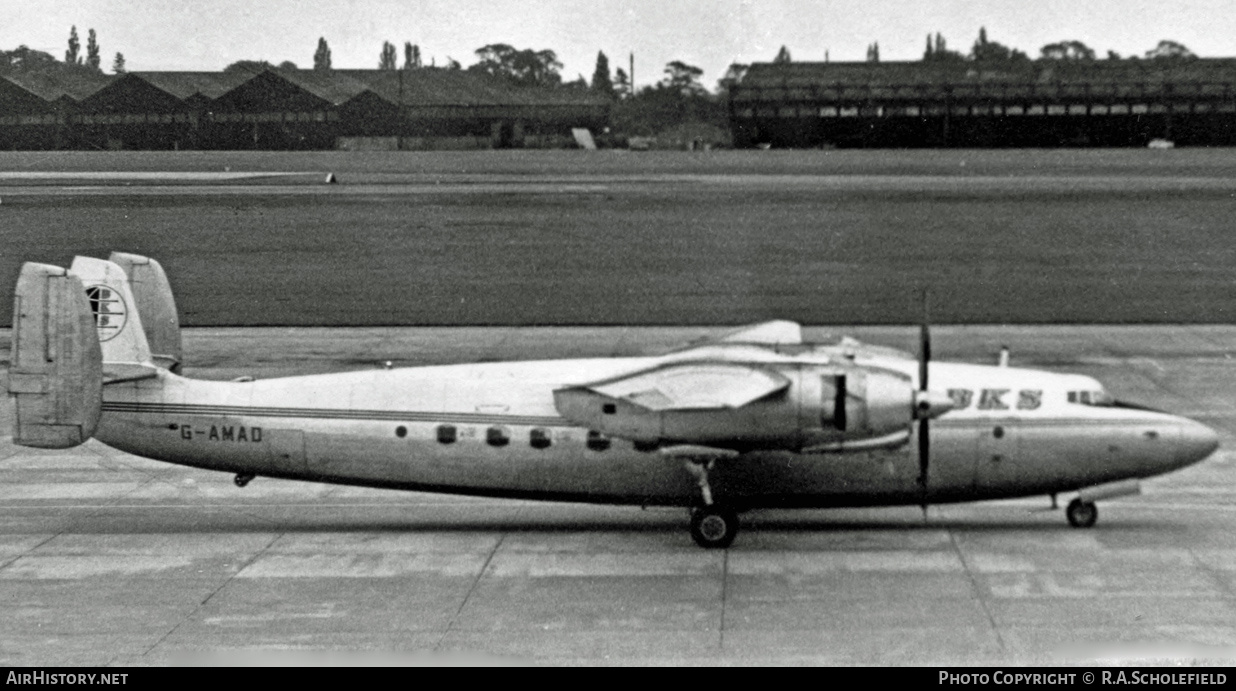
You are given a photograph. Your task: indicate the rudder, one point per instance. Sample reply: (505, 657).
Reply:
(56, 363)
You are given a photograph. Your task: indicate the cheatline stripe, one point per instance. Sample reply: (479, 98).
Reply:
(330, 414)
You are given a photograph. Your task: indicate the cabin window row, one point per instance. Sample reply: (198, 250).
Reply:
(538, 438)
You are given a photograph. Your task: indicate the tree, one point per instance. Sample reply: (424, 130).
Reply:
(783, 56)
(601, 82)
(991, 51)
(253, 66)
(733, 75)
(92, 50)
(939, 52)
(71, 56)
(873, 52)
(453, 64)
(24, 59)
(118, 64)
(1066, 50)
(411, 56)
(522, 67)
(321, 56)
(622, 84)
(683, 79)
(288, 65)
(387, 60)
(1170, 50)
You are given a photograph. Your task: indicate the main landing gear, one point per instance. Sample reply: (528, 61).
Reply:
(1082, 514)
(714, 527)
(243, 479)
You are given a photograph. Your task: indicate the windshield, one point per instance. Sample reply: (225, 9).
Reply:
(1094, 398)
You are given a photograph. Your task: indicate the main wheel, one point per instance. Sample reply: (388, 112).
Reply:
(1082, 514)
(714, 527)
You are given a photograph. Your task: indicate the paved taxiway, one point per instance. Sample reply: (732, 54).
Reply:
(106, 558)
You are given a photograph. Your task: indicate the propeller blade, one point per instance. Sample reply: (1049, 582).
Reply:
(924, 347)
(924, 452)
(924, 357)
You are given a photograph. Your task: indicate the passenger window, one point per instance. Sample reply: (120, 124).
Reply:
(539, 439)
(597, 441)
(447, 434)
(497, 436)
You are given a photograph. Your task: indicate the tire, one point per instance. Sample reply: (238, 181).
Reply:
(1082, 514)
(714, 527)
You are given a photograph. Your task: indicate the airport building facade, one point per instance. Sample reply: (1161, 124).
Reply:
(277, 109)
(1042, 103)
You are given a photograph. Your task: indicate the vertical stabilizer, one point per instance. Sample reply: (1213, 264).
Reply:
(156, 305)
(118, 324)
(56, 364)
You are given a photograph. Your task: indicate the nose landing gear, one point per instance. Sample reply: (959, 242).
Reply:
(1082, 514)
(243, 479)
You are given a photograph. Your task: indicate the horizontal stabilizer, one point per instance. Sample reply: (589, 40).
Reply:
(56, 365)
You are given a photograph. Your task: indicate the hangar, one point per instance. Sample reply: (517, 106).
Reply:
(278, 109)
(1040, 103)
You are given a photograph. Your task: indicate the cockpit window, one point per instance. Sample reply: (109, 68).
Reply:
(1092, 398)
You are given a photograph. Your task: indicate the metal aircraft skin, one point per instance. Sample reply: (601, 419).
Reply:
(754, 419)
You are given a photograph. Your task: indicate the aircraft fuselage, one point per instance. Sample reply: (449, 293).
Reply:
(492, 429)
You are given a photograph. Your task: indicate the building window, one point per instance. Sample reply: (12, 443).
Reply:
(646, 446)
(539, 438)
(597, 441)
(497, 436)
(447, 434)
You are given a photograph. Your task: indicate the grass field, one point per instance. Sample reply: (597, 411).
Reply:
(513, 238)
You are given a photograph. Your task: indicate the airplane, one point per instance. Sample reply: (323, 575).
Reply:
(753, 419)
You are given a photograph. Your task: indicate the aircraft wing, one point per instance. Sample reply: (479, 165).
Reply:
(689, 386)
(688, 401)
(778, 332)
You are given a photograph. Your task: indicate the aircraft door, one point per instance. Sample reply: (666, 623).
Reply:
(997, 455)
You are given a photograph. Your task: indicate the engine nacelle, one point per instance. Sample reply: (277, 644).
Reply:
(747, 406)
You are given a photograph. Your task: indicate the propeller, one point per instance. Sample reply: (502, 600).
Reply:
(923, 406)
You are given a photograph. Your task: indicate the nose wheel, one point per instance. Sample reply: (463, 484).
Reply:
(243, 479)
(714, 527)
(1082, 514)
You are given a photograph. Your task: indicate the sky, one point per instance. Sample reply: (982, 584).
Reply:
(175, 35)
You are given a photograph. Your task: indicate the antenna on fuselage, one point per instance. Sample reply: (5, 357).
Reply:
(1004, 357)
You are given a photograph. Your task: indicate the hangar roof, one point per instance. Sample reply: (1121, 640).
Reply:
(967, 71)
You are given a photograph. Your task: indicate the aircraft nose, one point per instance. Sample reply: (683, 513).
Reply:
(1197, 441)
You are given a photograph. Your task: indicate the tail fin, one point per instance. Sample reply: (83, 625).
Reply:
(126, 354)
(56, 364)
(157, 307)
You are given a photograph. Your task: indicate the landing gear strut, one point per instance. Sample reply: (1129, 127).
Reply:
(243, 479)
(1082, 514)
(714, 527)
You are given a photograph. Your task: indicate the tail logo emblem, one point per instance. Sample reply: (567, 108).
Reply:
(110, 311)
